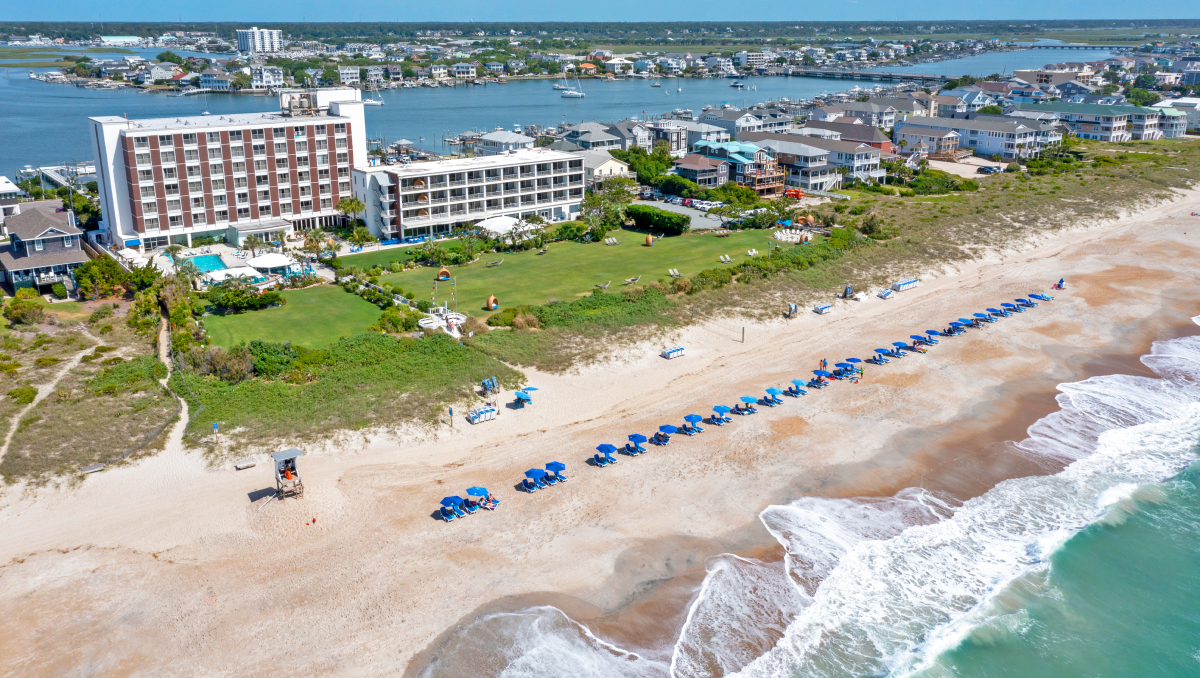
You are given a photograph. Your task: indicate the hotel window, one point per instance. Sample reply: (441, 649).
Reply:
(213, 137)
(197, 202)
(259, 149)
(243, 198)
(322, 158)
(327, 204)
(305, 190)
(264, 196)
(285, 194)
(262, 179)
(323, 174)
(235, 135)
(280, 148)
(191, 155)
(282, 177)
(167, 156)
(298, 131)
(243, 213)
(220, 199)
(193, 172)
(302, 147)
(142, 159)
(145, 175)
(304, 177)
(151, 222)
(174, 205)
(343, 158)
(324, 189)
(340, 128)
(221, 215)
(305, 205)
(344, 187)
(322, 144)
(260, 165)
(218, 184)
(237, 151)
(285, 208)
(320, 130)
(278, 132)
(263, 210)
(198, 218)
(171, 189)
(281, 163)
(170, 173)
(165, 140)
(257, 134)
(214, 152)
(216, 169)
(239, 182)
(147, 191)
(141, 142)
(175, 220)
(189, 140)
(239, 168)
(339, 143)
(150, 207)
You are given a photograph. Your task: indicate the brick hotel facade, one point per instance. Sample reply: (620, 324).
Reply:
(163, 181)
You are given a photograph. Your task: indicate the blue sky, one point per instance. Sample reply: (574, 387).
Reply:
(609, 10)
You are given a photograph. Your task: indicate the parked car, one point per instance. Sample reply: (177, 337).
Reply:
(989, 170)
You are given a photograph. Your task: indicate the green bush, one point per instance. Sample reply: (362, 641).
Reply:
(650, 218)
(104, 311)
(505, 317)
(906, 192)
(272, 359)
(23, 395)
(24, 311)
(229, 297)
(47, 361)
(397, 320)
(1013, 167)
(134, 375)
(26, 293)
(59, 291)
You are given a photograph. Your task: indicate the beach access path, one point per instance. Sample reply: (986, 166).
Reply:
(169, 567)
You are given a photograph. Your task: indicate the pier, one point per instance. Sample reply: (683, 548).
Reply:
(880, 76)
(1082, 46)
(59, 175)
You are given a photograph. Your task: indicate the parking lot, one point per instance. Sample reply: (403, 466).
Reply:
(700, 220)
(968, 168)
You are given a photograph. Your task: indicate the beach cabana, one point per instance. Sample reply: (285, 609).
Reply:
(273, 262)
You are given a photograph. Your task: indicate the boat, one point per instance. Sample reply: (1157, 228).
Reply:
(656, 84)
(562, 85)
(574, 93)
(371, 102)
(737, 84)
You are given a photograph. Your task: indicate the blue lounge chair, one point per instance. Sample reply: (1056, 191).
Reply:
(557, 468)
(599, 461)
(769, 401)
(469, 507)
(773, 396)
(458, 511)
(1026, 303)
(794, 390)
(549, 479)
(529, 485)
(448, 514)
(540, 483)
(1012, 307)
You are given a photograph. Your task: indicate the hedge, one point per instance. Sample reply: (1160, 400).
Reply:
(650, 218)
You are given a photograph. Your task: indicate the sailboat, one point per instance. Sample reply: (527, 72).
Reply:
(656, 84)
(576, 93)
(372, 102)
(562, 85)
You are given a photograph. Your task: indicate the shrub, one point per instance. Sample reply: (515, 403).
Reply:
(712, 278)
(47, 361)
(23, 395)
(59, 291)
(650, 218)
(424, 305)
(231, 298)
(24, 311)
(104, 311)
(272, 359)
(233, 366)
(681, 285)
(906, 192)
(26, 293)
(1013, 167)
(525, 321)
(134, 375)
(506, 316)
(397, 320)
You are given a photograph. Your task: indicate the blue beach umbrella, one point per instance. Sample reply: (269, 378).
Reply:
(749, 400)
(843, 365)
(523, 395)
(668, 429)
(606, 449)
(529, 388)
(693, 419)
(955, 324)
(556, 466)
(451, 501)
(899, 344)
(822, 373)
(996, 311)
(965, 321)
(535, 473)
(1022, 300)
(775, 391)
(799, 382)
(984, 316)
(478, 491)
(933, 333)
(721, 409)
(917, 337)
(1007, 305)
(637, 438)
(882, 351)
(853, 360)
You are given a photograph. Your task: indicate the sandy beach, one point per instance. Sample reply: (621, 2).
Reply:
(171, 568)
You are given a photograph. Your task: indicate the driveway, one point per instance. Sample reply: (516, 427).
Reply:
(967, 168)
(700, 220)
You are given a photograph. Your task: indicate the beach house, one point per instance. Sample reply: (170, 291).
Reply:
(751, 167)
(44, 246)
(503, 142)
(705, 171)
(599, 166)
(807, 167)
(859, 161)
(986, 135)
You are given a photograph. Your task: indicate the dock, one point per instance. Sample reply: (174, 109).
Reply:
(879, 76)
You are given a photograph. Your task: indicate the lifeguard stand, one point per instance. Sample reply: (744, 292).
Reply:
(287, 478)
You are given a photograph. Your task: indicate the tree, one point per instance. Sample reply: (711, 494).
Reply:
(1145, 81)
(726, 213)
(351, 205)
(617, 195)
(1141, 97)
(782, 209)
(173, 250)
(361, 235)
(591, 213)
(241, 81)
(253, 243)
(170, 57)
(991, 110)
(315, 242)
(189, 272)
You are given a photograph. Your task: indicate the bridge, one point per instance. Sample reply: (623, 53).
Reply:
(1072, 46)
(879, 76)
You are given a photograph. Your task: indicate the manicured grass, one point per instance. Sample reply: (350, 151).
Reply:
(570, 269)
(313, 318)
(67, 311)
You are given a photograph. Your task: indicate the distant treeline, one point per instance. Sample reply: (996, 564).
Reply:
(683, 32)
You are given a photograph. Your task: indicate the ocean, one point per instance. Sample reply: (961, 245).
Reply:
(1090, 571)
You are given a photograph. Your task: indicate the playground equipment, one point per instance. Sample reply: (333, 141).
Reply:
(443, 274)
(287, 478)
(492, 303)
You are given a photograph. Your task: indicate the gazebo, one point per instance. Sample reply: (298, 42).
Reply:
(272, 263)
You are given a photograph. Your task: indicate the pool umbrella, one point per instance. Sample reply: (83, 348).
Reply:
(478, 491)
(451, 501)
(606, 449)
(693, 419)
(523, 395)
(637, 438)
(899, 344)
(535, 473)
(556, 466)
(668, 429)
(722, 409)
(775, 391)
(822, 373)
(853, 360)
(933, 333)
(749, 400)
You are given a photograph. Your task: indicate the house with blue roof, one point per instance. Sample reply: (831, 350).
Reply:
(750, 166)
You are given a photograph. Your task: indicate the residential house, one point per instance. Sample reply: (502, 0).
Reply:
(856, 160)
(215, 80)
(514, 65)
(975, 99)
(349, 75)
(154, 72)
(670, 133)
(494, 67)
(719, 64)
(10, 195)
(375, 75)
(925, 141)
(591, 136)
(985, 135)
(1103, 123)
(618, 65)
(827, 113)
(875, 115)
(702, 131)
(1052, 77)
(395, 72)
(463, 70)
(1172, 122)
(773, 120)
(438, 72)
(44, 246)
(631, 134)
(703, 170)
(863, 134)
(901, 105)
(752, 59)
(806, 166)
(1025, 93)
(1072, 88)
(599, 166)
(734, 121)
(266, 77)
(493, 143)
(752, 167)
(947, 106)
(587, 68)
(1113, 99)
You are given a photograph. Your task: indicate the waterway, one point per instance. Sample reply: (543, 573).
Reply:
(46, 124)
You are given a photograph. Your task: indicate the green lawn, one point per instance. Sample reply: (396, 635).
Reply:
(570, 269)
(313, 318)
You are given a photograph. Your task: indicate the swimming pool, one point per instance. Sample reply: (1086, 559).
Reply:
(209, 262)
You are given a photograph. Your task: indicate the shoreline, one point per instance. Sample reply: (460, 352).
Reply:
(169, 557)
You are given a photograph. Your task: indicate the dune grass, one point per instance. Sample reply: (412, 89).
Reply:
(569, 269)
(313, 318)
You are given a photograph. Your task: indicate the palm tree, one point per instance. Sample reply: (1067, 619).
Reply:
(174, 251)
(351, 205)
(189, 272)
(252, 243)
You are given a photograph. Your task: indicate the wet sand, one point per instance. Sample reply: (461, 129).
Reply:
(145, 566)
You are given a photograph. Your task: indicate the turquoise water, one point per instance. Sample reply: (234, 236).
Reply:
(1121, 598)
(208, 262)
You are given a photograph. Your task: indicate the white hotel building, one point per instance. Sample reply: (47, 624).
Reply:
(428, 198)
(164, 180)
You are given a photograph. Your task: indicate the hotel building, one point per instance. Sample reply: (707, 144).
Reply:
(430, 198)
(166, 180)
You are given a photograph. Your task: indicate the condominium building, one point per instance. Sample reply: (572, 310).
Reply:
(807, 167)
(1102, 122)
(987, 135)
(750, 166)
(165, 180)
(430, 198)
(266, 77)
(259, 40)
(857, 160)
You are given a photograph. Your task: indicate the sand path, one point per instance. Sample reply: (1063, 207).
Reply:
(169, 558)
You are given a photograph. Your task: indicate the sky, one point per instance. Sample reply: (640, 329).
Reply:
(610, 10)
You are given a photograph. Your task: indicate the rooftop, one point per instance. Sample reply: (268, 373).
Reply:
(36, 218)
(418, 169)
(982, 123)
(210, 122)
